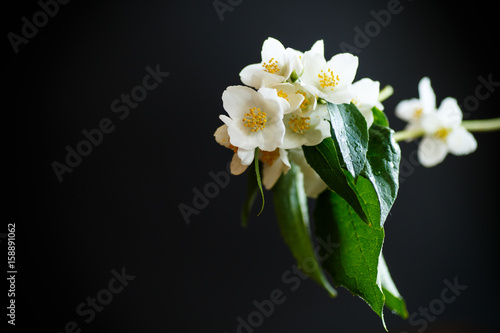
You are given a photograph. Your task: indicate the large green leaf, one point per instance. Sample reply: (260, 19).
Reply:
(290, 202)
(393, 300)
(353, 265)
(350, 131)
(382, 167)
(372, 204)
(323, 158)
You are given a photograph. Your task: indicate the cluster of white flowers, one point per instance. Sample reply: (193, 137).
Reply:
(442, 127)
(282, 108)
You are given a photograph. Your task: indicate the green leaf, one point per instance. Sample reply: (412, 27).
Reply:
(290, 202)
(353, 265)
(252, 189)
(259, 182)
(379, 117)
(351, 135)
(323, 158)
(382, 167)
(393, 300)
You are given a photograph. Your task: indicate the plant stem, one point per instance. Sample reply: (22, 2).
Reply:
(482, 125)
(385, 93)
(470, 125)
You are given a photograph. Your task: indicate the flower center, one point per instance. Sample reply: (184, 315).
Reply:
(271, 66)
(418, 113)
(299, 124)
(328, 79)
(305, 103)
(255, 119)
(282, 95)
(442, 133)
(269, 157)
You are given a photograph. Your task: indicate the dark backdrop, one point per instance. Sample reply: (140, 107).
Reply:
(118, 208)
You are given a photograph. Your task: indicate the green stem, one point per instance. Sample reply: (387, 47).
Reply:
(385, 93)
(482, 125)
(408, 134)
(486, 125)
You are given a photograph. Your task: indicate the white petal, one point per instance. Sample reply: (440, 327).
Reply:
(293, 99)
(313, 64)
(294, 62)
(366, 90)
(431, 151)
(426, 95)
(255, 76)
(246, 156)
(272, 48)
(450, 113)
(313, 184)
(338, 95)
(368, 114)
(318, 47)
(225, 119)
(461, 142)
(407, 109)
(237, 100)
(345, 66)
(237, 167)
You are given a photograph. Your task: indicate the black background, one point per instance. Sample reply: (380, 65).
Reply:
(119, 207)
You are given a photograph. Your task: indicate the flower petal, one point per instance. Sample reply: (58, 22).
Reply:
(246, 156)
(236, 100)
(272, 48)
(221, 136)
(313, 184)
(426, 95)
(450, 113)
(345, 66)
(461, 142)
(407, 109)
(237, 167)
(431, 151)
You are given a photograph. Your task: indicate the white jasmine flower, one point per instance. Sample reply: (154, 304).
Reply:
(313, 184)
(290, 94)
(331, 80)
(306, 130)
(412, 110)
(366, 94)
(276, 66)
(275, 163)
(444, 134)
(255, 119)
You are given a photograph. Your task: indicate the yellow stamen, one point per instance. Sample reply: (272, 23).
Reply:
(328, 79)
(269, 157)
(271, 66)
(418, 113)
(442, 133)
(282, 95)
(305, 103)
(255, 119)
(299, 124)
